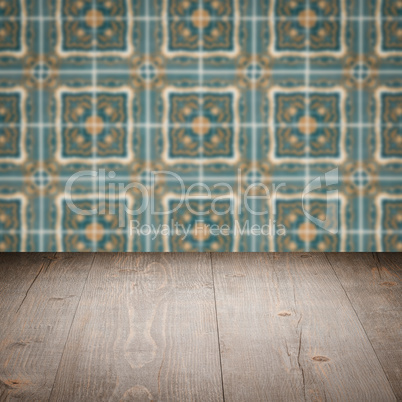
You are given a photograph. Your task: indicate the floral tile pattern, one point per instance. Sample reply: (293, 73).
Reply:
(288, 112)
(209, 124)
(109, 127)
(321, 129)
(317, 26)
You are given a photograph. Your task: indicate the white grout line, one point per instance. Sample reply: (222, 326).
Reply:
(94, 126)
(41, 127)
(148, 129)
(270, 179)
(307, 113)
(273, 179)
(361, 133)
(122, 231)
(262, 18)
(254, 139)
(212, 125)
(200, 106)
(210, 71)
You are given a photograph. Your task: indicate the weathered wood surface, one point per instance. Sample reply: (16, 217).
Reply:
(373, 283)
(35, 329)
(288, 332)
(18, 271)
(145, 330)
(206, 327)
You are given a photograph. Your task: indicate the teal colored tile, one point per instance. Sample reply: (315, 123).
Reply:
(290, 107)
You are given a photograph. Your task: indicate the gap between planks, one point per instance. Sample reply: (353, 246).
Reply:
(263, 346)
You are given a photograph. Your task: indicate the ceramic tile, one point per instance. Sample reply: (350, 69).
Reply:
(295, 102)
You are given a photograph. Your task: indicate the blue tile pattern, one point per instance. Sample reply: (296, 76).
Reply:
(259, 98)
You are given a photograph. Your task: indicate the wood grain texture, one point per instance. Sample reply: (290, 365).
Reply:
(373, 283)
(18, 271)
(35, 329)
(143, 327)
(145, 330)
(288, 332)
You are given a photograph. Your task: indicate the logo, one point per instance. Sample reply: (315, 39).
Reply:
(330, 223)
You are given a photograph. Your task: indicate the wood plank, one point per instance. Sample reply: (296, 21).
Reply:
(32, 341)
(145, 330)
(373, 283)
(288, 332)
(17, 273)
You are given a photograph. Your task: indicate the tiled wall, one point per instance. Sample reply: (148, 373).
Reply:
(277, 92)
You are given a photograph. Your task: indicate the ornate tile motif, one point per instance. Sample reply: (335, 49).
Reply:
(201, 123)
(390, 40)
(298, 122)
(196, 217)
(318, 29)
(211, 29)
(94, 124)
(12, 225)
(12, 118)
(391, 223)
(12, 28)
(83, 28)
(389, 127)
(81, 232)
(301, 232)
(269, 97)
